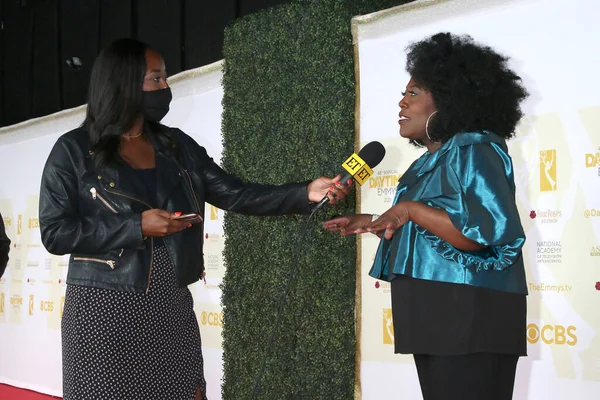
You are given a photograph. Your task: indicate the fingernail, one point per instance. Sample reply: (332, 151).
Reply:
(190, 225)
(331, 187)
(349, 181)
(178, 213)
(338, 184)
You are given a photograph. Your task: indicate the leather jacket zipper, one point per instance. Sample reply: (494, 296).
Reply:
(193, 194)
(192, 189)
(96, 195)
(129, 197)
(110, 263)
(151, 239)
(151, 261)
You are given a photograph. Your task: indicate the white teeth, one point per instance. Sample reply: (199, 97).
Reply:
(402, 118)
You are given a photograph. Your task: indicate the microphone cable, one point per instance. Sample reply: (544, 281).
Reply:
(282, 304)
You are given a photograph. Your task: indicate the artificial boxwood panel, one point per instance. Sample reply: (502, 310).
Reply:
(288, 116)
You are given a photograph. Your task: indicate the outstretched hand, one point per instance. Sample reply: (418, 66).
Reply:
(329, 187)
(348, 224)
(390, 221)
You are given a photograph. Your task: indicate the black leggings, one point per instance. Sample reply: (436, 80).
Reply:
(478, 376)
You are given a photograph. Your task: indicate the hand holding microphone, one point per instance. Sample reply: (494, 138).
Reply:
(332, 189)
(358, 167)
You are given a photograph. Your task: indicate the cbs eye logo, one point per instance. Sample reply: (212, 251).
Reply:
(552, 334)
(212, 319)
(47, 306)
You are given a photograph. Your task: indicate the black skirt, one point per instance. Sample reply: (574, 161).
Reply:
(124, 345)
(440, 318)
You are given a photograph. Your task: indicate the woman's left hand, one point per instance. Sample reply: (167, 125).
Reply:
(348, 224)
(331, 188)
(391, 220)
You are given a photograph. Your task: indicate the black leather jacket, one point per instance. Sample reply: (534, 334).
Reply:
(96, 216)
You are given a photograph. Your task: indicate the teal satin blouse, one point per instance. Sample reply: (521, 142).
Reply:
(471, 177)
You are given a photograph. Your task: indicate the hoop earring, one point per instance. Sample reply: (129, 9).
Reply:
(427, 127)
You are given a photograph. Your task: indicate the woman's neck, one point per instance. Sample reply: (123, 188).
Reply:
(135, 131)
(432, 147)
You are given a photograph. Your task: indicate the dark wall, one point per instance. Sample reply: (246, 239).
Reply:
(38, 37)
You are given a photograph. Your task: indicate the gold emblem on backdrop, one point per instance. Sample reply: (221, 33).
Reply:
(548, 179)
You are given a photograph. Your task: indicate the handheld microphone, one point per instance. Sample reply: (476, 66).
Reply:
(359, 166)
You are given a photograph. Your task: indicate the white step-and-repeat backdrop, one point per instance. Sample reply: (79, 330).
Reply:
(33, 286)
(554, 47)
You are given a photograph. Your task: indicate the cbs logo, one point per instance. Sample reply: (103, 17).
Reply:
(47, 306)
(212, 319)
(552, 334)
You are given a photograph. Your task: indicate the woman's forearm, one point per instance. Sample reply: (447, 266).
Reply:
(438, 222)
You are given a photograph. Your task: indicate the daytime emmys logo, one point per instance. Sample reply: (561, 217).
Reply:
(385, 183)
(593, 160)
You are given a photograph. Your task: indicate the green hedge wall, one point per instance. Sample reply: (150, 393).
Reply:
(288, 115)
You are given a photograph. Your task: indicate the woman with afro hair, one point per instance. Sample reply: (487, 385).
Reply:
(451, 244)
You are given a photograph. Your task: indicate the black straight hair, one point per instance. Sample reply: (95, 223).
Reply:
(115, 98)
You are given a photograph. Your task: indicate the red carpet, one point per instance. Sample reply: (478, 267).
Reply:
(13, 393)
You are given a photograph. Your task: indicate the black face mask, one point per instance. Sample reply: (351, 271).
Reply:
(155, 103)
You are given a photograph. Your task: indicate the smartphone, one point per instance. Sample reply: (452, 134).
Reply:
(191, 218)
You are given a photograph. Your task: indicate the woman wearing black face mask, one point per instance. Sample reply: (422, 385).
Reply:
(111, 194)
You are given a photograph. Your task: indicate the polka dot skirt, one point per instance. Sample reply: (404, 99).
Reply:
(129, 346)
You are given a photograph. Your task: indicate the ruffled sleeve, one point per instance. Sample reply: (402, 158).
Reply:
(478, 194)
